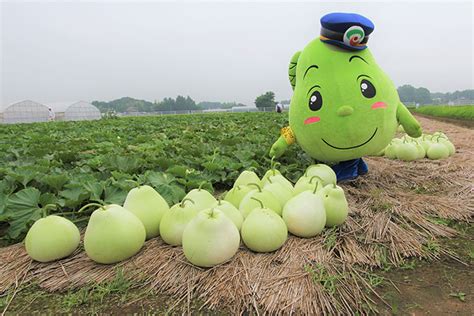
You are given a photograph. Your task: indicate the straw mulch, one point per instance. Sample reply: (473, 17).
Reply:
(393, 217)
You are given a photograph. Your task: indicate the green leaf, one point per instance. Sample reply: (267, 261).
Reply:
(7, 186)
(211, 166)
(158, 178)
(66, 156)
(164, 163)
(74, 195)
(95, 190)
(171, 193)
(3, 202)
(179, 171)
(114, 195)
(23, 175)
(119, 176)
(21, 211)
(128, 164)
(56, 181)
(48, 198)
(178, 193)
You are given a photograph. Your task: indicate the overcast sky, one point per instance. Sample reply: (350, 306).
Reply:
(212, 50)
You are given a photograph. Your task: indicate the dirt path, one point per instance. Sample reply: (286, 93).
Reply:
(444, 287)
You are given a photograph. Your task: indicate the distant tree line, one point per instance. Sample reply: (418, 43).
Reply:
(410, 94)
(127, 104)
(179, 104)
(443, 98)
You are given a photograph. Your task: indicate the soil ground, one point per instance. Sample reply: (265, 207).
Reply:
(443, 287)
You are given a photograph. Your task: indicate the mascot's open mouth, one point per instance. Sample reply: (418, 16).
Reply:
(368, 140)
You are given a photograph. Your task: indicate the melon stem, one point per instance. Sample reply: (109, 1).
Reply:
(200, 185)
(256, 185)
(184, 200)
(275, 165)
(261, 203)
(311, 180)
(272, 164)
(211, 215)
(316, 187)
(89, 205)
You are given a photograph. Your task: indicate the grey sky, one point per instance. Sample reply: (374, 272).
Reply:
(214, 51)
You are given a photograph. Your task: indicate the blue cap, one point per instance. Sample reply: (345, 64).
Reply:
(347, 30)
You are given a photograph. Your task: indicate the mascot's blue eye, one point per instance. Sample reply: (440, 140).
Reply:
(367, 89)
(315, 101)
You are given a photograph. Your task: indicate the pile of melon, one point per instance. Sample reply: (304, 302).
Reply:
(435, 146)
(258, 212)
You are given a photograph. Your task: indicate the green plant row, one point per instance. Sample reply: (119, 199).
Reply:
(465, 112)
(58, 167)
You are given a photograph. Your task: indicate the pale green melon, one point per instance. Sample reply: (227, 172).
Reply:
(149, 206)
(52, 238)
(113, 234)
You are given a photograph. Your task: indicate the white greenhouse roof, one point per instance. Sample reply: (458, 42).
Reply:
(22, 102)
(60, 107)
(27, 111)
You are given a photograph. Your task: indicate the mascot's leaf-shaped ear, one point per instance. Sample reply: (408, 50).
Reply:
(292, 69)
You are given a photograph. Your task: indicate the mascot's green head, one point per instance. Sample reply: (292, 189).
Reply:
(344, 106)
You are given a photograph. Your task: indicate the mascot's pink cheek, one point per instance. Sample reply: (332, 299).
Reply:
(311, 120)
(379, 105)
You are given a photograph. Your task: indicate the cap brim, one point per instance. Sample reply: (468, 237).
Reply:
(343, 45)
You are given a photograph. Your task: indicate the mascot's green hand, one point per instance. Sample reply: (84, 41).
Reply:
(279, 147)
(287, 138)
(409, 123)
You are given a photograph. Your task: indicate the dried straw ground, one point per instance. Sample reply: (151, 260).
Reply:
(392, 217)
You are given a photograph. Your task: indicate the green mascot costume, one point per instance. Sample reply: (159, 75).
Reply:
(344, 106)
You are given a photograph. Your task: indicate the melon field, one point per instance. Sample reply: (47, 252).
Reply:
(406, 247)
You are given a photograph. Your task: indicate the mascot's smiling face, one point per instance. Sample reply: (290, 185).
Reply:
(344, 106)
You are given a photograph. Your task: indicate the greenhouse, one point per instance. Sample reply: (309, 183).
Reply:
(75, 111)
(26, 111)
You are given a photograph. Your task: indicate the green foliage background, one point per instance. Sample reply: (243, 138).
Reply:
(266, 100)
(422, 95)
(465, 112)
(58, 167)
(127, 104)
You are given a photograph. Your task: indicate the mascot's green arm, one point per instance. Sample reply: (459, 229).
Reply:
(279, 147)
(409, 123)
